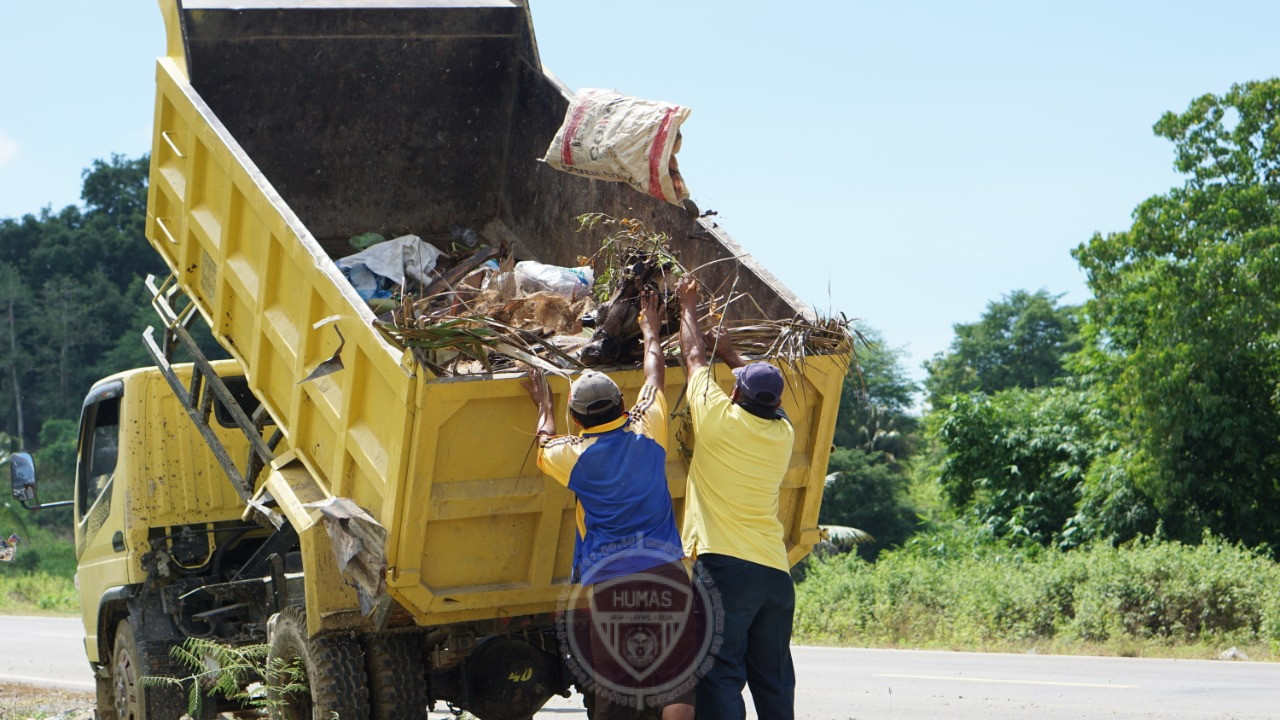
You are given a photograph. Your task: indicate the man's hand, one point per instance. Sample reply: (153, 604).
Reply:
(540, 393)
(655, 365)
(691, 344)
(536, 385)
(650, 320)
(687, 290)
(718, 339)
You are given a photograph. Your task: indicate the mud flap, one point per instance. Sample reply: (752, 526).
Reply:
(358, 543)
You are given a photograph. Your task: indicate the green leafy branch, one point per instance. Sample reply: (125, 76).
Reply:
(627, 237)
(242, 674)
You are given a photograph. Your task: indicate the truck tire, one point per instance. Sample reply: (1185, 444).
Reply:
(397, 677)
(334, 668)
(106, 699)
(131, 698)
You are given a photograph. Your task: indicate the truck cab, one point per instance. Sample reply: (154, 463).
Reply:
(152, 506)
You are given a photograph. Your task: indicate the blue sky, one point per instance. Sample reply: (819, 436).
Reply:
(902, 162)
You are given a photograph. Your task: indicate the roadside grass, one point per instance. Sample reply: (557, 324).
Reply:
(1148, 599)
(28, 702)
(38, 581)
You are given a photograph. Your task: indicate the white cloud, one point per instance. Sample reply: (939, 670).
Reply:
(8, 148)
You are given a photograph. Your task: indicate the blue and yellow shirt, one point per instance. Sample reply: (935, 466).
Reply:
(626, 523)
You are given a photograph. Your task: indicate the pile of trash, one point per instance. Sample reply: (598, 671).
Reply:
(463, 304)
(474, 308)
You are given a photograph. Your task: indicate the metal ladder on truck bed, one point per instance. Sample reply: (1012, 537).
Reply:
(177, 312)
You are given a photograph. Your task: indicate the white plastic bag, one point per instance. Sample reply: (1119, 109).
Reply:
(377, 270)
(573, 283)
(610, 136)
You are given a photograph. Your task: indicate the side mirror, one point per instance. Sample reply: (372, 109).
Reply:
(22, 471)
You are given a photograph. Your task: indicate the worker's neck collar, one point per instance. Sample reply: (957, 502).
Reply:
(606, 427)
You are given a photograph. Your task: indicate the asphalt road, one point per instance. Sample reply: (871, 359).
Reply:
(856, 684)
(44, 651)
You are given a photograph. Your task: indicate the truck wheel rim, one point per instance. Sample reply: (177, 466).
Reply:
(126, 687)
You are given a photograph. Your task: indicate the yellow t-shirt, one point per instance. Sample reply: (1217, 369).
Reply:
(739, 460)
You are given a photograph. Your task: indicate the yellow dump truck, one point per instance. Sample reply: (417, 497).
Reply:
(387, 526)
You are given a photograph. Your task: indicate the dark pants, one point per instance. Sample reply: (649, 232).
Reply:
(758, 604)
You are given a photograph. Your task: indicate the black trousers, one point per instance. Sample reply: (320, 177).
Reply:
(758, 604)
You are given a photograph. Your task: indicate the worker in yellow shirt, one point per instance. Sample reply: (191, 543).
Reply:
(742, 447)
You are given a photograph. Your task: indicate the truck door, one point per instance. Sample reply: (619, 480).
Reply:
(102, 562)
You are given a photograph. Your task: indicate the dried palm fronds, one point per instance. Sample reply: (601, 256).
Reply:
(792, 340)
(455, 327)
(442, 343)
(788, 341)
(471, 320)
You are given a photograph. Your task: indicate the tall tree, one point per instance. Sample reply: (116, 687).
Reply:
(66, 316)
(115, 200)
(877, 401)
(876, 433)
(1019, 342)
(12, 293)
(64, 274)
(1186, 313)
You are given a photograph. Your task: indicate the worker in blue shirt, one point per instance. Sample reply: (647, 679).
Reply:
(629, 547)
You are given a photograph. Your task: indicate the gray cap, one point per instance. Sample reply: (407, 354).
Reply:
(594, 392)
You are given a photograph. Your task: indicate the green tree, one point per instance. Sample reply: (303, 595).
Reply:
(1186, 316)
(71, 315)
(13, 297)
(1019, 342)
(127, 350)
(867, 491)
(115, 199)
(876, 402)
(56, 459)
(876, 433)
(62, 278)
(1016, 461)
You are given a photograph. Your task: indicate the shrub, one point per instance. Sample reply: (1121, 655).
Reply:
(39, 578)
(938, 592)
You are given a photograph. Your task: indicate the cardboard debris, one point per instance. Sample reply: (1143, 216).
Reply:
(358, 543)
(543, 311)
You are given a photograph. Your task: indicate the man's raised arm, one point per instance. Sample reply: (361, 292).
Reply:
(655, 365)
(692, 346)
